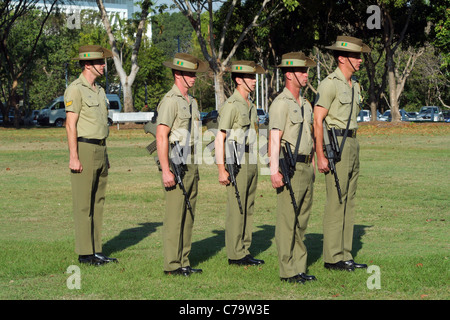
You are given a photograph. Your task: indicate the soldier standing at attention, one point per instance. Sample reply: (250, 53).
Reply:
(290, 124)
(338, 99)
(87, 130)
(177, 121)
(237, 121)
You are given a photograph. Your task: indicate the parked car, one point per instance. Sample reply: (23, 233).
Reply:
(385, 116)
(363, 116)
(55, 112)
(430, 113)
(211, 116)
(263, 117)
(404, 116)
(10, 116)
(31, 119)
(203, 115)
(446, 115)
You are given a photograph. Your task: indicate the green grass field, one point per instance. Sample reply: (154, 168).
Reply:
(401, 225)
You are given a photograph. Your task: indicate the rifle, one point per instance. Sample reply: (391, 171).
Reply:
(233, 167)
(333, 155)
(178, 163)
(287, 166)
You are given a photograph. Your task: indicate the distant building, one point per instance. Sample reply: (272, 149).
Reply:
(124, 8)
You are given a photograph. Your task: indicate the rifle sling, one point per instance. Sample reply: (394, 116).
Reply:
(348, 123)
(297, 145)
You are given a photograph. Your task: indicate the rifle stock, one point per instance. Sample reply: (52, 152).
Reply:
(287, 166)
(333, 155)
(177, 164)
(232, 167)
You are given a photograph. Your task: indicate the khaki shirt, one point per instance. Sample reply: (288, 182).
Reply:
(91, 106)
(181, 116)
(237, 115)
(335, 95)
(285, 114)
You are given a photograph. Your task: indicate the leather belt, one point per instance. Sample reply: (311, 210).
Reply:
(100, 142)
(304, 158)
(350, 134)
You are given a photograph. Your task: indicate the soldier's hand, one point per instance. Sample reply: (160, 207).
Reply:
(277, 180)
(168, 179)
(322, 165)
(224, 178)
(75, 166)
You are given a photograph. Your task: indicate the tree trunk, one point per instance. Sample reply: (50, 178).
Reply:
(219, 88)
(395, 113)
(126, 81)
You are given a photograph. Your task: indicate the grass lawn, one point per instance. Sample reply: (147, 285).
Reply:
(401, 227)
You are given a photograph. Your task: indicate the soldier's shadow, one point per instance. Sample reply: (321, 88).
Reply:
(130, 237)
(314, 243)
(204, 249)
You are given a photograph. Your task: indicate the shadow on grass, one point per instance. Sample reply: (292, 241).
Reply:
(204, 249)
(314, 243)
(130, 237)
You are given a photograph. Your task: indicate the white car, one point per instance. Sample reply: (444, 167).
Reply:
(363, 116)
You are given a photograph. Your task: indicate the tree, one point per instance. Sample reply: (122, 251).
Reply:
(12, 13)
(126, 80)
(212, 45)
(393, 38)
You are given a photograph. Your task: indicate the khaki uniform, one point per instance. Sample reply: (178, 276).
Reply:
(89, 186)
(182, 117)
(335, 94)
(285, 114)
(238, 119)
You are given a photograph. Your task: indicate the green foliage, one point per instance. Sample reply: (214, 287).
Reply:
(151, 77)
(170, 31)
(401, 225)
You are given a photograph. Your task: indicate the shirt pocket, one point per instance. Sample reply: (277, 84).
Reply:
(184, 115)
(181, 129)
(91, 103)
(295, 115)
(244, 120)
(345, 99)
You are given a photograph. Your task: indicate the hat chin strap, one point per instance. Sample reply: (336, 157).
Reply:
(249, 90)
(96, 69)
(187, 85)
(354, 69)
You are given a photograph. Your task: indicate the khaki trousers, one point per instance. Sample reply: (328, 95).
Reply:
(292, 253)
(238, 227)
(178, 221)
(338, 218)
(88, 195)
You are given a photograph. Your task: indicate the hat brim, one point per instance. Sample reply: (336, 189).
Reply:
(308, 63)
(258, 70)
(106, 54)
(364, 49)
(202, 66)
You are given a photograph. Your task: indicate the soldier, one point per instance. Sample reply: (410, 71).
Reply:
(338, 99)
(237, 121)
(177, 125)
(290, 124)
(87, 130)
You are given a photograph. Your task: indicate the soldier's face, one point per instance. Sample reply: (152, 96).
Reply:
(250, 81)
(355, 59)
(98, 66)
(300, 76)
(189, 77)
